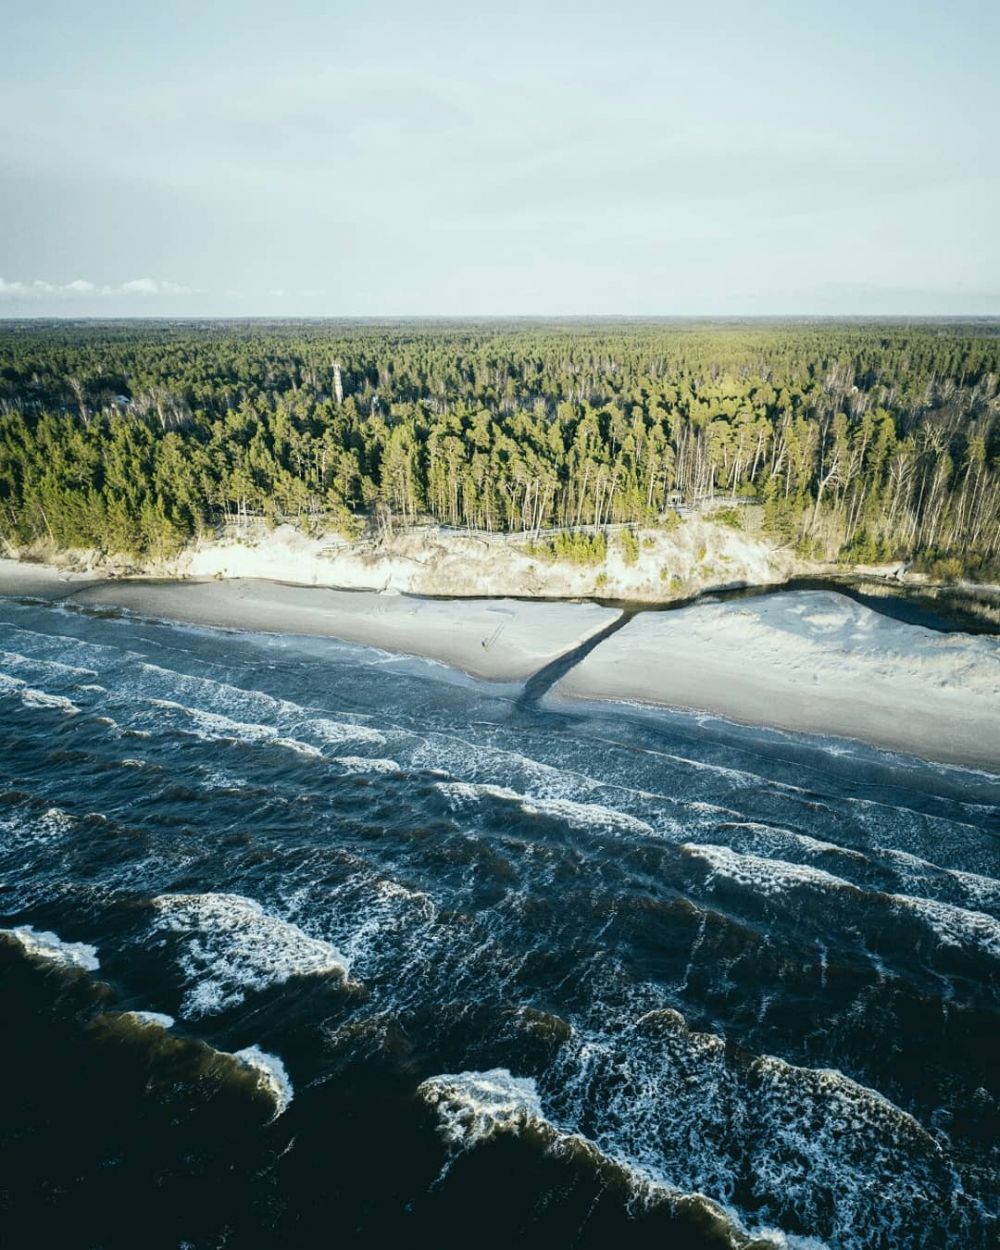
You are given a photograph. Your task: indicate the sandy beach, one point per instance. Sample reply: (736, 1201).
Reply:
(41, 581)
(807, 661)
(812, 662)
(497, 639)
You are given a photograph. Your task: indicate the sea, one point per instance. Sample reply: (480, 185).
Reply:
(307, 945)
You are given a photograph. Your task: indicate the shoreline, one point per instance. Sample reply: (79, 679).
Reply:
(563, 701)
(809, 661)
(501, 640)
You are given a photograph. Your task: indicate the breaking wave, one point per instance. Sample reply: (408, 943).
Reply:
(231, 947)
(32, 698)
(579, 815)
(270, 1073)
(767, 877)
(697, 969)
(42, 944)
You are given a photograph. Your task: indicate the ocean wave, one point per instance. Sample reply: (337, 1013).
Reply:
(362, 764)
(158, 1018)
(953, 926)
(267, 716)
(300, 748)
(232, 947)
(754, 836)
(976, 888)
(32, 697)
(216, 727)
(580, 815)
(741, 778)
(377, 915)
(58, 668)
(472, 1107)
(488, 764)
(846, 1159)
(334, 731)
(43, 944)
(270, 1073)
(980, 890)
(775, 1145)
(768, 877)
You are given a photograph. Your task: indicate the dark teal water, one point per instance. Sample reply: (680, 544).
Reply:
(447, 966)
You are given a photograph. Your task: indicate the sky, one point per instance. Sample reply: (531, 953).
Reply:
(407, 158)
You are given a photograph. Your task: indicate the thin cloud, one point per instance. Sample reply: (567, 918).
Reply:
(83, 288)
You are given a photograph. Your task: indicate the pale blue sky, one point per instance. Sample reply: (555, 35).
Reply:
(238, 158)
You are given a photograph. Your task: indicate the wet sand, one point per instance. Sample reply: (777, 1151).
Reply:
(497, 639)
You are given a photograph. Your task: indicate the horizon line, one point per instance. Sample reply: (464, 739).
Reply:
(507, 316)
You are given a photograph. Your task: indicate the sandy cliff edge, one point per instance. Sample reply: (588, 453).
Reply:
(433, 560)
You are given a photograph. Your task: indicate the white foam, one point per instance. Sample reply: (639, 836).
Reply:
(54, 823)
(153, 1017)
(233, 947)
(30, 697)
(44, 944)
(25, 835)
(301, 748)
(384, 919)
(473, 1106)
(362, 764)
(14, 660)
(954, 926)
(340, 731)
(581, 815)
(768, 876)
(214, 727)
(219, 779)
(271, 1075)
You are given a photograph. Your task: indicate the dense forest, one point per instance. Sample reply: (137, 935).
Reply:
(863, 441)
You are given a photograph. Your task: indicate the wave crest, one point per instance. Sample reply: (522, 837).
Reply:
(233, 947)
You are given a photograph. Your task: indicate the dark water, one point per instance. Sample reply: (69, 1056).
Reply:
(526, 976)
